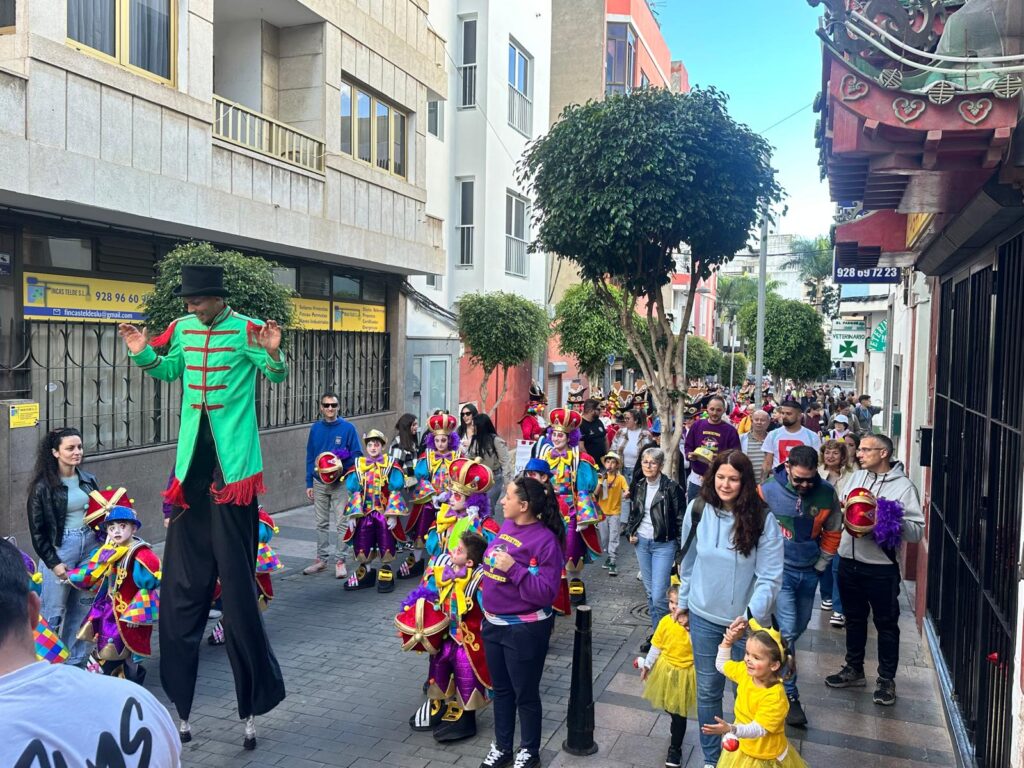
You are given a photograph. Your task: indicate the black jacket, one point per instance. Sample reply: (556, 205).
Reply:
(666, 511)
(47, 510)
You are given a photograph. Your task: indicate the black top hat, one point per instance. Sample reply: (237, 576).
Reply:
(201, 280)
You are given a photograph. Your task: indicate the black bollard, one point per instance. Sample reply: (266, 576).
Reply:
(580, 720)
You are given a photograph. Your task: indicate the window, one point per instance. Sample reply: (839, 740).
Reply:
(520, 108)
(620, 59)
(346, 287)
(375, 291)
(378, 134)
(364, 129)
(314, 282)
(6, 15)
(645, 81)
(62, 252)
(346, 118)
(138, 34)
(285, 276)
(516, 235)
(465, 226)
(467, 70)
(435, 117)
(382, 127)
(434, 281)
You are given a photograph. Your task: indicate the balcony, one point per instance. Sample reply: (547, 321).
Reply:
(247, 128)
(515, 256)
(520, 111)
(467, 86)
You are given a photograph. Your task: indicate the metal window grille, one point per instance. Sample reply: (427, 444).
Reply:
(467, 90)
(81, 376)
(515, 256)
(465, 245)
(520, 111)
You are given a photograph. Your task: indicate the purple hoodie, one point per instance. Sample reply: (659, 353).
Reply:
(522, 591)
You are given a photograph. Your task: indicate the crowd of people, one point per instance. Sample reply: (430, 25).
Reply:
(768, 507)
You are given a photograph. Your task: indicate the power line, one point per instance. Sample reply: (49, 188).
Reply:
(787, 117)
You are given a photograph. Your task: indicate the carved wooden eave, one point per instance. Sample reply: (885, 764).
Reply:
(897, 150)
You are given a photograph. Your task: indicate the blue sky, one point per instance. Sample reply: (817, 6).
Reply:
(766, 56)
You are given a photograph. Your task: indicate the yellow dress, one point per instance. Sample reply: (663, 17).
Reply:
(769, 707)
(672, 682)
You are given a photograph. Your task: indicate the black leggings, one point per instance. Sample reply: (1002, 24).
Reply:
(515, 658)
(678, 729)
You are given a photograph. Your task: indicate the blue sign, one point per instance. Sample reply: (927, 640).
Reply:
(863, 275)
(611, 360)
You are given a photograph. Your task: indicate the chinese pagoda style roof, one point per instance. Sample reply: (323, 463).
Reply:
(919, 104)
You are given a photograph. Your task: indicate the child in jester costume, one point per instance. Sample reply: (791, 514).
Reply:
(48, 643)
(374, 507)
(217, 354)
(267, 562)
(455, 674)
(574, 477)
(431, 484)
(125, 573)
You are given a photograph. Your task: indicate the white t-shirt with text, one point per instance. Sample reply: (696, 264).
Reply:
(780, 442)
(59, 715)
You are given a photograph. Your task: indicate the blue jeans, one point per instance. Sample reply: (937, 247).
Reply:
(706, 637)
(656, 559)
(837, 597)
(793, 609)
(63, 606)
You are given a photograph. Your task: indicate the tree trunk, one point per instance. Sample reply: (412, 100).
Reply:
(501, 395)
(483, 390)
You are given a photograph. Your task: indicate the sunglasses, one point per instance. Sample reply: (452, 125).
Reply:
(467, 413)
(328, 405)
(802, 480)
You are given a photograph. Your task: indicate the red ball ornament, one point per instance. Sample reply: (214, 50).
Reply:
(730, 743)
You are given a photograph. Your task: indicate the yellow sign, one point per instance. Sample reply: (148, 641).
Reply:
(362, 318)
(24, 415)
(917, 224)
(312, 315)
(82, 299)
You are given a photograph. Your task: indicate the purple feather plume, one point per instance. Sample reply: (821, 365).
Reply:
(888, 531)
(343, 454)
(481, 502)
(421, 591)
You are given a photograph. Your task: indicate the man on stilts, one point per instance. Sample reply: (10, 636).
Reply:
(217, 475)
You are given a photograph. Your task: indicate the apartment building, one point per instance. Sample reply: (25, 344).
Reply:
(498, 60)
(600, 48)
(294, 130)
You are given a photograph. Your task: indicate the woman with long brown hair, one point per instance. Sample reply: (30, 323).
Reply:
(732, 561)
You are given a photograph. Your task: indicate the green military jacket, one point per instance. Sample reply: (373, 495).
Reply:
(217, 365)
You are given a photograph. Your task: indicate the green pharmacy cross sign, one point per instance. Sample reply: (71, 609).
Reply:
(848, 349)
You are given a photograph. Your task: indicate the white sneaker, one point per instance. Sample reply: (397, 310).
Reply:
(215, 614)
(340, 571)
(184, 732)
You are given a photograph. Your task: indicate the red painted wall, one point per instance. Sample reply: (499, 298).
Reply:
(512, 406)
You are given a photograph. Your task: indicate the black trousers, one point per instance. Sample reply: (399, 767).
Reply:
(515, 658)
(206, 541)
(875, 589)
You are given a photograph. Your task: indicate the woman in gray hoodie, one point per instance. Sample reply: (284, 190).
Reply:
(731, 567)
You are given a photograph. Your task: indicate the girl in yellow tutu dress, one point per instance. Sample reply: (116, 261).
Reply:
(670, 682)
(761, 703)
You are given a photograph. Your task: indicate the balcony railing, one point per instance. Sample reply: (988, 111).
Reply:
(515, 256)
(520, 111)
(467, 93)
(247, 128)
(465, 245)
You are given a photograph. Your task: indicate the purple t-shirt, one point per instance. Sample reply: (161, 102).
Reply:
(522, 590)
(718, 437)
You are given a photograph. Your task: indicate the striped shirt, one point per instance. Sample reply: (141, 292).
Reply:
(753, 448)
(512, 618)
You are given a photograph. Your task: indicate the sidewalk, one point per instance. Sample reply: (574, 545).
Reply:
(351, 689)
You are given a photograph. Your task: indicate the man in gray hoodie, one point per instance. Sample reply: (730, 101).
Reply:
(869, 576)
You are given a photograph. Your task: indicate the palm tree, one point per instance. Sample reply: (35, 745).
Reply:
(812, 257)
(736, 291)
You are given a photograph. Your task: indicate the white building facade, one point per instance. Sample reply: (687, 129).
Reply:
(497, 61)
(294, 130)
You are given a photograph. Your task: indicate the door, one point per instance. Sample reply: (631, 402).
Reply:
(436, 386)
(977, 483)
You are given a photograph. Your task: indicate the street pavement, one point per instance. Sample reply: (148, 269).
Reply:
(351, 689)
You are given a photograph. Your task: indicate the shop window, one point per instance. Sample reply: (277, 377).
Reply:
(315, 282)
(346, 287)
(59, 252)
(285, 276)
(375, 291)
